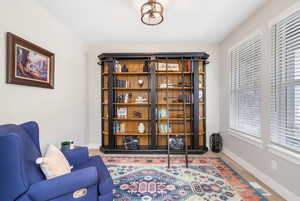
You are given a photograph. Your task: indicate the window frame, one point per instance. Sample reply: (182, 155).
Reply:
(277, 148)
(246, 137)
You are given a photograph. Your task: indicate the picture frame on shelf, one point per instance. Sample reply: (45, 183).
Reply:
(122, 112)
(168, 67)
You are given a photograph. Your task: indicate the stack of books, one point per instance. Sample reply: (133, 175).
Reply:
(140, 99)
(163, 128)
(163, 114)
(119, 128)
(122, 98)
(123, 84)
(163, 85)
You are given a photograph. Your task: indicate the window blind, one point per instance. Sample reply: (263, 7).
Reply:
(285, 83)
(245, 86)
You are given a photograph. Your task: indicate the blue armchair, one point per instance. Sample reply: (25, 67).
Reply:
(22, 180)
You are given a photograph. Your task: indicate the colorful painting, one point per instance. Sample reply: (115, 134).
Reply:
(29, 64)
(32, 65)
(149, 179)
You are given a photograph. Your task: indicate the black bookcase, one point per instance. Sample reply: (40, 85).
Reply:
(174, 84)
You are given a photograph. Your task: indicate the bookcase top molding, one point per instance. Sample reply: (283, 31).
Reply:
(159, 55)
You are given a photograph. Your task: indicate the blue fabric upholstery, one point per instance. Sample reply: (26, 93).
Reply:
(67, 184)
(22, 180)
(32, 129)
(105, 181)
(77, 156)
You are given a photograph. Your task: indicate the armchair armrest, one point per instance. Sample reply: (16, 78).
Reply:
(66, 184)
(77, 156)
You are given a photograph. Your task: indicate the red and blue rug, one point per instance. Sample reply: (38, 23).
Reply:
(147, 178)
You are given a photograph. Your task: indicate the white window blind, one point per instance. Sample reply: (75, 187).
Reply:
(285, 83)
(245, 86)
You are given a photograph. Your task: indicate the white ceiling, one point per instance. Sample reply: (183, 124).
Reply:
(118, 21)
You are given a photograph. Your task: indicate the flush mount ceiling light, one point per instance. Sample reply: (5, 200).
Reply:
(152, 13)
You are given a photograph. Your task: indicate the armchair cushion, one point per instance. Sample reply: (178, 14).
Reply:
(105, 181)
(54, 163)
(77, 156)
(63, 185)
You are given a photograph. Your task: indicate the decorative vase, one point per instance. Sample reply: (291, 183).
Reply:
(141, 83)
(141, 128)
(146, 67)
(124, 68)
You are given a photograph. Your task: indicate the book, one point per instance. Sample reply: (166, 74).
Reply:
(187, 66)
(122, 128)
(126, 97)
(119, 128)
(163, 85)
(163, 114)
(123, 84)
(163, 128)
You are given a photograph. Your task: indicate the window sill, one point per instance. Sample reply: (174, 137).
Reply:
(286, 154)
(245, 137)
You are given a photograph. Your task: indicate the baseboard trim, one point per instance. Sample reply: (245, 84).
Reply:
(94, 146)
(275, 186)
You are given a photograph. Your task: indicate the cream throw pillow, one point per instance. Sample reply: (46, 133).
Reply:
(54, 163)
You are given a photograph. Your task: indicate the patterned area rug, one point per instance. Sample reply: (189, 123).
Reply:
(147, 178)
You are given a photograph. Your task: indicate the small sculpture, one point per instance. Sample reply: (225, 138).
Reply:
(131, 143)
(141, 83)
(141, 128)
(146, 67)
(137, 114)
(176, 143)
(140, 99)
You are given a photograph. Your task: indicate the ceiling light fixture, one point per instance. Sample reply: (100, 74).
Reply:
(152, 13)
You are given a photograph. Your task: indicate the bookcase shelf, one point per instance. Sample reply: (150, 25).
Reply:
(131, 89)
(127, 77)
(174, 119)
(131, 134)
(129, 73)
(176, 134)
(179, 104)
(131, 119)
(174, 88)
(159, 73)
(173, 73)
(128, 134)
(132, 104)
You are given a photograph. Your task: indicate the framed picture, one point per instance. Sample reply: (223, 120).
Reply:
(29, 64)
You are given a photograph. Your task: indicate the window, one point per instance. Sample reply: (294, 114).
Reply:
(245, 86)
(285, 83)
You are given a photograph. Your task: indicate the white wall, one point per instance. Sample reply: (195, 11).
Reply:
(95, 87)
(258, 160)
(62, 112)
